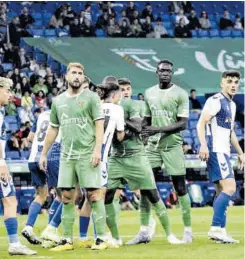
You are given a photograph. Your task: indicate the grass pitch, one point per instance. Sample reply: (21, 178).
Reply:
(201, 248)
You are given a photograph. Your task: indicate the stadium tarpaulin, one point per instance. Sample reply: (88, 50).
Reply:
(198, 63)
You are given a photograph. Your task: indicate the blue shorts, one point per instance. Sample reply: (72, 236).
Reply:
(219, 167)
(7, 188)
(38, 177)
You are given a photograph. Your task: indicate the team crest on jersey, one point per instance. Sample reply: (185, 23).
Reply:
(81, 104)
(228, 120)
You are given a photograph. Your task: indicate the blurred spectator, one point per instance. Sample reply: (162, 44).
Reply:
(1, 69)
(50, 83)
(87, 12)
(17, 94)
(10, 108)
(13, 143)
(68, 16)
(26, 100)
(3, 19)
(87, 29)
(56, 20)
(102, 21)
(187, 6)
(109, 9)
(181, 30)
(238, 24)
(148, 28)
(204, 21)
(130, 10)
(225, 22)
(123, 18)
(22, 135)
(195, 104)
(50, 97)
(140, 97)
(34, 77)
(9, 53)
(136, 29)
(147, 12)
(181, 15)
(50, 73)
(40, 86)
(21, 60)
(113, 29)
(75, 28)
(193, 21)
(25, 85)
(16, 76)
(9, 74)
(159, 29)
(26, 19)
(174, 7)
(188, 149)
(41, 100)
(125, 29)
(134, 16)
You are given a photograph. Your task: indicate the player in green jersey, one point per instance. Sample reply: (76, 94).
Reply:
(79, 115)
(167, 112)
(128, 163)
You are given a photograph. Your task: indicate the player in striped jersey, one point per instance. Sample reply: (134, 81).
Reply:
(7, 190)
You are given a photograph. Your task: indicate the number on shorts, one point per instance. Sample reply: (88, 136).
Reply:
(43, 130)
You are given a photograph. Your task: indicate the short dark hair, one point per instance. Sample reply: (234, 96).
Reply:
(231, 73)
(124, 81)
(110, 79)
(104, 90)
(140, 94)
(165, 61)
(192, 90)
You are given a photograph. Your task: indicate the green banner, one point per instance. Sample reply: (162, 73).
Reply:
(198, 63)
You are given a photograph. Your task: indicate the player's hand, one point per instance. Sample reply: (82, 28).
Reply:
(149, 131)
(96, 156)
(4, 175)
(43, 164)
(241, 161)
(204, 153)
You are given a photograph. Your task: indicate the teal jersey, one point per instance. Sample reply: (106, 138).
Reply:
(76, 116)
(134, 145)
(164, 107)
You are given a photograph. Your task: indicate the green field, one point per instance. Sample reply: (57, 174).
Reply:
(202, 248)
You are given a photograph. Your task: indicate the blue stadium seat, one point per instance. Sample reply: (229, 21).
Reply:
(214, 33)
(38, 24)
(49, 6)
(225, 33)
(7, 66)
(194, 133)
(211, 17)
(40, 57)
(238, 132)
(170, 32)
(236, 33)
(192, 124)
(37, 32)
(173, 18)
(214, 25)
(196, 141)
(194, 34)
(165, 18)
(100, 33)
(186, 133)
(11, 15)
(203, 33)
(63, 69)
(50, 33)
(46, 18)
(167, 25)
(165, 190)
(194, 115)
(24, 155)
(10, 119)
(37, 16)
(189, 141)
(55, 66)
(13, 127)
(13, 155)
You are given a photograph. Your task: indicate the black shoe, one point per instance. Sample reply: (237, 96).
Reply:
(32, 239)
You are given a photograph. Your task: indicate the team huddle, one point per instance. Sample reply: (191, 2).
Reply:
(90, 145)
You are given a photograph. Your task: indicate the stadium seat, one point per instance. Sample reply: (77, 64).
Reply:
(13, 155)
(24, 155)
(192, 124)
(203, 33)
(185, 133)
(189, 141)
(194, 133)
(11, 15)
(236, 33)
(7, 66)
(167, 25)
(38, 24)
(41, 58)
(165, 190)
(165, 18)
(194, 34)
(170, 32)
(10, 119)
(13, 127)
(238, 132)
(55, 66)
(37, 16)
(100, 33)
(214, 25)
(50, 33)
(194, 115)
(214, 33)
(225, 33)
(46, 18)
(37, 32)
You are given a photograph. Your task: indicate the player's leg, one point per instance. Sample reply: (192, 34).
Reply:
(66, 182)
(220, 171)
(176, 169)
(7, 196)
(39, 180)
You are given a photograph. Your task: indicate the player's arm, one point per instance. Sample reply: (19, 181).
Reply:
(33, 130)
(3, 166)
(120, 124)
(211, 108)
(235, 144)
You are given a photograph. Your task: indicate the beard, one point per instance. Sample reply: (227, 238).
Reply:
(75, 85)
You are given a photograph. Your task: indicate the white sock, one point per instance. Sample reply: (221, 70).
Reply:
(144, 228)
(188, 229)
(50, 227)
(215, 228)
(29, 228)
(84, 238)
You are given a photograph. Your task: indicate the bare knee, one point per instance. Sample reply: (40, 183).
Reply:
(42, 194)
(94, 195)
(228, 186)
(68, 196)
(10, 206)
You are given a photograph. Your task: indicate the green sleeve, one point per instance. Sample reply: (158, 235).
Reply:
(54, 120)
(183, 107)
(147, 107)
(134, 110)
(96, 106)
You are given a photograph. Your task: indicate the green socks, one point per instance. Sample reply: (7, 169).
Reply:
(99, 214)
(111, 220)
(68, 219)
(162, 214)
(145, 211)
(185, 207)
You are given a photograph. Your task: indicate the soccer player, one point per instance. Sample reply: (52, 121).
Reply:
(39, 178)
(166, 114)
(79, 115)
(128, 164)
(7, 190)
(218, 117)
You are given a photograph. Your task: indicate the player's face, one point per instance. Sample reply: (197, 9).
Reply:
(164, 73)
(75, 77)
(230, 85)
(85, 85)
(5, 95)
(126, 91)
(117, 97)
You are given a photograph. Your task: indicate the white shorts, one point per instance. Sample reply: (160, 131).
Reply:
(104, 174)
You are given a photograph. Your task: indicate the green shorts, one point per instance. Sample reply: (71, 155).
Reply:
(172, 160)
(135, 171)
(79, 171)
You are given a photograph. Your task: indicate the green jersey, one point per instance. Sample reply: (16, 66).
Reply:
(164, 106)
(134, 145)
(76, 116)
